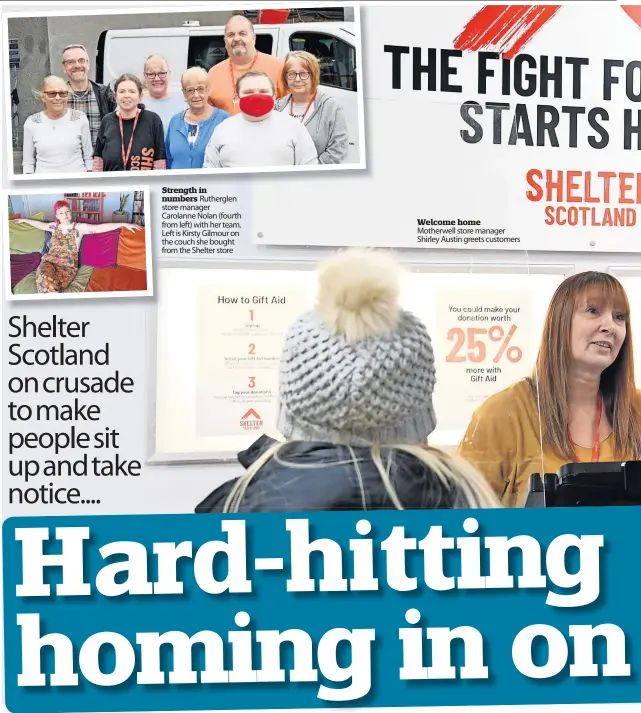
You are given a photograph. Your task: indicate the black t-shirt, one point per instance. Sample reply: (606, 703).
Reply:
(148, 144)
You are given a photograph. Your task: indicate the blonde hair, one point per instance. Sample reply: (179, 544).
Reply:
(50, 78)
(308, 61)
(155, 56)
(192, 72)
(452, 474)
(40, 92)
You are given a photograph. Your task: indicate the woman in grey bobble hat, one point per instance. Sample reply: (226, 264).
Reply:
(356, 383)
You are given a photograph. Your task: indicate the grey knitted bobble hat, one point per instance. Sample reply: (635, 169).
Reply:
(357, 369)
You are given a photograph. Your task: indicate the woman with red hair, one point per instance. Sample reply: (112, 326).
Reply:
(581, 402)
(59, 265)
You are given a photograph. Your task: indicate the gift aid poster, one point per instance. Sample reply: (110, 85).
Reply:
(239, 345)
(515, 128)
(484, 342)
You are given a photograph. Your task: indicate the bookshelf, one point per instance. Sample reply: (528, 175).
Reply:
(86, 207)
(138, 213)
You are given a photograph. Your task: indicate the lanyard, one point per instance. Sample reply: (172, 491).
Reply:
(231, 73)
(596, 448)
(122, 140)
(309, 103)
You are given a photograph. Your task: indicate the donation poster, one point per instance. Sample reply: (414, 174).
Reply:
(484, 342)
(492, 128)
(241, 329)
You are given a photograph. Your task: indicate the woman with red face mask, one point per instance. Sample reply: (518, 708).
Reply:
(258, 135)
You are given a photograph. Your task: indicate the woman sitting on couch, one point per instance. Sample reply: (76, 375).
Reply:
(59, 265)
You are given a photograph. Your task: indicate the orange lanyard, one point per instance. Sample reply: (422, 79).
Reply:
(291, 108)
(596, 448)
(131, 140)
(231, 72)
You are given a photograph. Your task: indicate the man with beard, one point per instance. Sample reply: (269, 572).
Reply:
(93, 100)
(240, 42)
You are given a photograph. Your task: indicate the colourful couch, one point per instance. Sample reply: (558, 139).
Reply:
(109, 262)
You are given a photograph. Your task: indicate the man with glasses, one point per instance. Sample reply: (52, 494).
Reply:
(240, 43)
(159, 96)
(92, 99)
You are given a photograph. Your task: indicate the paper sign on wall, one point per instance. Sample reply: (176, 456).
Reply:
(240, 338)
(483, 343)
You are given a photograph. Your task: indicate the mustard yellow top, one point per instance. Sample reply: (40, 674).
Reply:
(503, 441)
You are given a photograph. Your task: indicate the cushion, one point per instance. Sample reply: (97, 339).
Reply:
(81, 280)
(100, 249)
(21, 265)
(26, 286)
(132, 249)
(24, 238)
(117, 279)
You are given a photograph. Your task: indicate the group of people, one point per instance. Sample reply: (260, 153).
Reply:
(251, 109)
(355, 403)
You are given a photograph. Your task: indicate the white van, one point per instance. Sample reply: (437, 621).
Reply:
(334, 43)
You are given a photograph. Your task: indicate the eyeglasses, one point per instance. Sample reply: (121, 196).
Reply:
(302, 75)
(63, 93)
(192, 90)
(70, 62)
(160, 75)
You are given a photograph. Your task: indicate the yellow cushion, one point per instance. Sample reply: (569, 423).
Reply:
(24, 238)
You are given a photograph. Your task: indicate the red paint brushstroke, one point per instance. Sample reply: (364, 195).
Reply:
(634, 11)
(505, 29)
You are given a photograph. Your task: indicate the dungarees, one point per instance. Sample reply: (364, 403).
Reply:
(60, 265)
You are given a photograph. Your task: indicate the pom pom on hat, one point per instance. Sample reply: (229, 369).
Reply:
(358, 293)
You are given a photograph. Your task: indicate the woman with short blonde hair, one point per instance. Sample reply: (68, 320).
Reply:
(190, 130)
(320, 113)
(56, 139)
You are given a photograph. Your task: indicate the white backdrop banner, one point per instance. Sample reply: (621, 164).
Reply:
(511, 128)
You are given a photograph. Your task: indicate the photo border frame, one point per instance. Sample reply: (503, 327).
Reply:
(40, 297)
(216, 7)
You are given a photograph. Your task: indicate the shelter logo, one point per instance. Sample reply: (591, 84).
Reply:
(251, 421)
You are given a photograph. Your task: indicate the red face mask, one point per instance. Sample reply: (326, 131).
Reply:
(256, 104)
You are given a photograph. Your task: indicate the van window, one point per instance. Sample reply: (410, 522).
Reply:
(207, 50)
(337, 58)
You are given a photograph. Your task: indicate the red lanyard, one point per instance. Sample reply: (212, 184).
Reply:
(596, 448)
(122, 140)
(231, 72)
(302, 118)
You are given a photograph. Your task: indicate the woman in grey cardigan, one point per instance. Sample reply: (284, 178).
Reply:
(321, 114)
